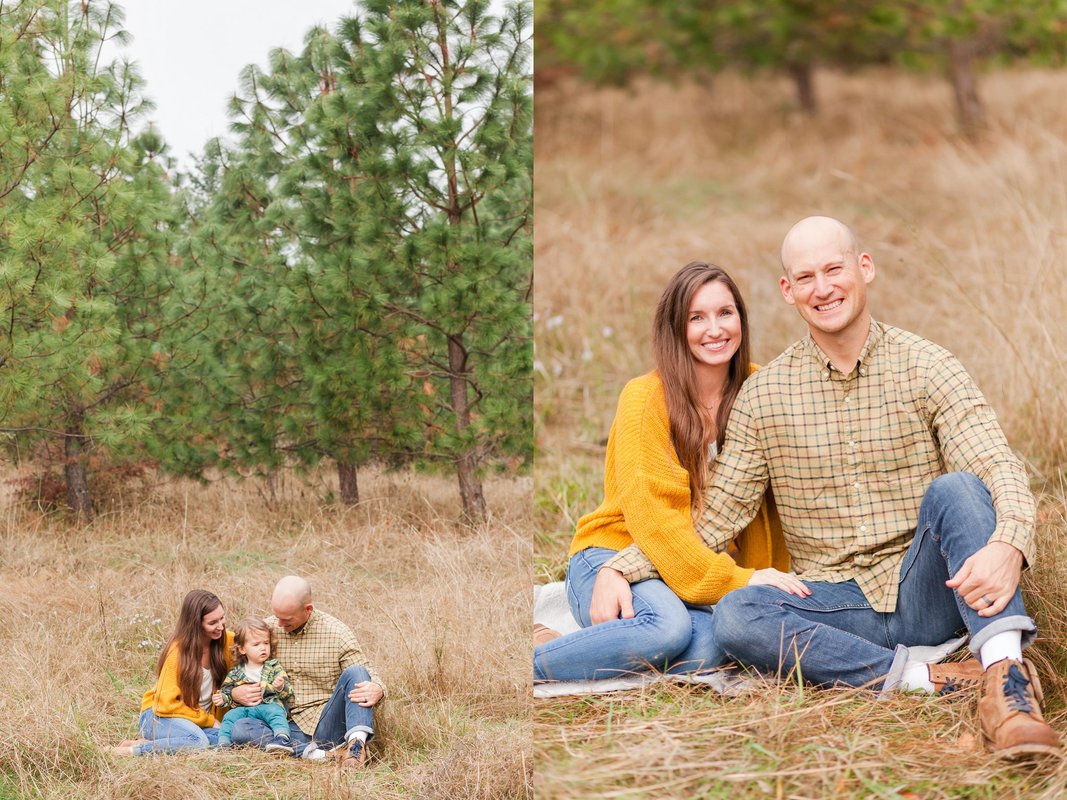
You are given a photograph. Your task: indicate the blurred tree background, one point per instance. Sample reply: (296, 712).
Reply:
(347, 279)
(612, 41)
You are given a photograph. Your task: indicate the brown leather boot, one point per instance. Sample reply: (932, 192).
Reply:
(1010, 711)
(543, 634)
(956, 677)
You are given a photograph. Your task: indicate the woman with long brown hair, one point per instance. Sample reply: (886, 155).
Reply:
(668, 427)
(179, 712)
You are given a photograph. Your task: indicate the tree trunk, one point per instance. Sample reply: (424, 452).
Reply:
(803, 76)
(78, 497)
(470, 487)
(969, 109)
(346, 479)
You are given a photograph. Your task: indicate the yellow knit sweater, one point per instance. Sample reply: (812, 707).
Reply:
(165, 697)
(646, 500)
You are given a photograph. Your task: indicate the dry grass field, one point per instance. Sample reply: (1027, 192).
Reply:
(969, 238)
(442, 611)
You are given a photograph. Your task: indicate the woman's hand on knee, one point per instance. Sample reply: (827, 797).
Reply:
(782, 580)
(612, 597)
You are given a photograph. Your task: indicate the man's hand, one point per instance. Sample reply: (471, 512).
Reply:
(783, 580)
(991, 574)
(612, 597)
(247, 694)
(366, 693)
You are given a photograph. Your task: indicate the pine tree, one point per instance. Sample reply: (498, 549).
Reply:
(85, 216)
(453, 113)
(294, 365)
(359, 383)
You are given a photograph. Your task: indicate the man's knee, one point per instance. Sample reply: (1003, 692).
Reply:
(960, 509)
(953, 486)
(249, 731)
(354, 674)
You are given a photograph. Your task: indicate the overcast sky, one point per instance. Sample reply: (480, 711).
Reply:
(190, 54)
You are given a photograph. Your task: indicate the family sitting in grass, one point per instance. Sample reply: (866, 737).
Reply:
(296, 683)
(865, 451)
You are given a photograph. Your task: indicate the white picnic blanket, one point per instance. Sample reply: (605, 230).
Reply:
(552, 610)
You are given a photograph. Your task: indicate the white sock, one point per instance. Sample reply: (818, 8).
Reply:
(916, 676)
(361, 735)
(1000, 646)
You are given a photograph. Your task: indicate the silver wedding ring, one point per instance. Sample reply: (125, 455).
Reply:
(988, 602)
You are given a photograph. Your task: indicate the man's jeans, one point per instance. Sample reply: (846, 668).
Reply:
(664, 631)
(171, 734)
(834, 631)
(340, 717)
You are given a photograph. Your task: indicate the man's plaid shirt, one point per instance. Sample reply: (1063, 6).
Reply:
(315, 656)
(849, 458)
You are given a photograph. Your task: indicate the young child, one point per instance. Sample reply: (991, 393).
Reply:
(253, 644)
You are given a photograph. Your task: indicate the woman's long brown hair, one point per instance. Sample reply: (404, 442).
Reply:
(189, 637)
(692, 426)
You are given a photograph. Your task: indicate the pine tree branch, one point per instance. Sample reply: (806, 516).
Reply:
(52, 431)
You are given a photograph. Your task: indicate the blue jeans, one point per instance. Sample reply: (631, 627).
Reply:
(840, 639)
(664, 632)
(271, 714)
(340, 717)
(171, 734)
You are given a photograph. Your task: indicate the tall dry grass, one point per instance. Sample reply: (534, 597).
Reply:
(441, 610)
(969, 240)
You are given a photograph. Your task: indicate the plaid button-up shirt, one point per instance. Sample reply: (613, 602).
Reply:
(315, 656)
(849, 458)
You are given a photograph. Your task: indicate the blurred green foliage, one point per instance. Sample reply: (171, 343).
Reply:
(613, 41)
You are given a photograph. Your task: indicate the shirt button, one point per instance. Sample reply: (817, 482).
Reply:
(863, 528)
(826, 376)
(863, 372)
(856, 484)
(847, 399)
(851, 444)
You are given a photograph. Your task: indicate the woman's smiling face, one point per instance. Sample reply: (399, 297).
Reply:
(214, 622)
(713, 327)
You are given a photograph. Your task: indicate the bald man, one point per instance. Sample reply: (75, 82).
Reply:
(904, 510)
(335, 686)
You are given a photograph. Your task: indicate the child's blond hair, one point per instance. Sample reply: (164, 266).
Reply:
(242, 631)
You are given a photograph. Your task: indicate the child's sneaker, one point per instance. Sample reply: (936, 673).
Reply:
(280, 744)
(312, 752)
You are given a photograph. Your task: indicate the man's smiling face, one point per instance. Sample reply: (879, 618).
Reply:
(826, 280)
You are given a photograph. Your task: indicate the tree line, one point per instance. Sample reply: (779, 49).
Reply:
(346, 278)
(612, 40)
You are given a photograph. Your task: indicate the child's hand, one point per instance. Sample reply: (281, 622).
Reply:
(279, 682)
(216, 699)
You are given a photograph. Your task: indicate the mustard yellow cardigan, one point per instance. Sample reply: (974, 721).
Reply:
(165, 697)
(646, 500)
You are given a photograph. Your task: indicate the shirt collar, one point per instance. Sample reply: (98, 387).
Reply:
(870, 347)
(303, 628)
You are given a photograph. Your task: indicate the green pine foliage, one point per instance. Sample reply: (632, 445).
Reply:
(612, 41)
(85, 233)
(453, 146)
(347, 278)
